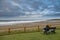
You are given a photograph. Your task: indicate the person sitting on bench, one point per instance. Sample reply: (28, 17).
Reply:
(46, 29)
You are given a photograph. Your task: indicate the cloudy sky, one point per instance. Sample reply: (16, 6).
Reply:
(29, 9)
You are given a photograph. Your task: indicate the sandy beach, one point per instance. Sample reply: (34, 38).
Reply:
(31, 25)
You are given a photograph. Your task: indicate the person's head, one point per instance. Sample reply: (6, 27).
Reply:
(47, 26)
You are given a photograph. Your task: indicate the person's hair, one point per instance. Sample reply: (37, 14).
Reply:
(47, 26)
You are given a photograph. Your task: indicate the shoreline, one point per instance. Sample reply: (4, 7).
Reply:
(16, 23)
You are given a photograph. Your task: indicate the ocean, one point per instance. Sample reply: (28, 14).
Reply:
(11, 22)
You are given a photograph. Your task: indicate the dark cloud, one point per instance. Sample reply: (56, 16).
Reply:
(13, 8)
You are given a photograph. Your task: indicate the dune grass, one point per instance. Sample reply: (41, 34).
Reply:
(32, 36)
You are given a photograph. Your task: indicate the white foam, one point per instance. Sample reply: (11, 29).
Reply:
(17, 22)
(13, 22)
